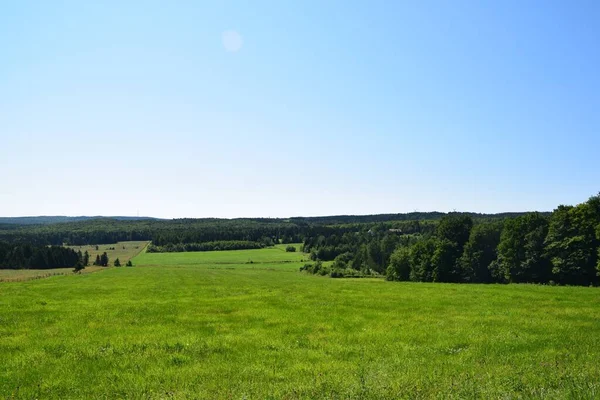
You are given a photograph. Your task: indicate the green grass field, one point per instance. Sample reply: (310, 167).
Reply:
(181, 326)
(270, 255)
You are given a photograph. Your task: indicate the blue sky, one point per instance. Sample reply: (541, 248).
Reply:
(327, 108)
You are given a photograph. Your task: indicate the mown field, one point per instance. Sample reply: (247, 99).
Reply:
(125, 251)
(184, 326)
(269, 255)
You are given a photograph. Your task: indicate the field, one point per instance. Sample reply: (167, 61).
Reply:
(276, 255)
(208, 325)
(125, 251)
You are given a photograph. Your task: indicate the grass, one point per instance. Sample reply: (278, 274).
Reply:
(269, 255)
(195, 331)
(122, 250)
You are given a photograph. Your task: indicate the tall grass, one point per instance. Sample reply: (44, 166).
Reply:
(191, 330)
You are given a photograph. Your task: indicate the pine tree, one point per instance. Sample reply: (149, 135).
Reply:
(104, 260)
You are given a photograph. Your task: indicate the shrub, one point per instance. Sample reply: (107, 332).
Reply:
(290, 249)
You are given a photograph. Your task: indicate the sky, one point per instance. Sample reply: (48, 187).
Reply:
(281, 108)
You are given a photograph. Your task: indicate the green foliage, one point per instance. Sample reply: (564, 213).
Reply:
(221, 245)
(104, 260)
(521, 255)
(399, 268)
(421, 260)
(444, 260)
(480, 252)
(572, 242)
(27, 256)
(290, 249)
(117, 263)
(129, 264)
(455, 228)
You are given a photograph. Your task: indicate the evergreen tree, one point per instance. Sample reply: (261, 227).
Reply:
(104, 260)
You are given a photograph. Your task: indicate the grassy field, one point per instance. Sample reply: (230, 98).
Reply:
(122, 250)
(270, 255)
(175, 326)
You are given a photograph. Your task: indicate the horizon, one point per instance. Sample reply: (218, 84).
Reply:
(222, 109)
(273, 217)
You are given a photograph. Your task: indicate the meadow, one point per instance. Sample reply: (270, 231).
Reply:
(124, 251)
(207, 325)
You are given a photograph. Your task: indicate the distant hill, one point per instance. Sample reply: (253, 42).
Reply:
(46, 220)
(413, 216)
(325, 220)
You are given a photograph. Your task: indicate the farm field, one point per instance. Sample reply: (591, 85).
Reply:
(180, 325)
(122, 250)
(268, 255)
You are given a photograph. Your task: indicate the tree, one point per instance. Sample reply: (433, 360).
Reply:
(98, 262)
(104, 260)
(444, 261)
(79, 257)
(117, 263)
(455, 228)
(572, 243)
(480, 252)
(421, 254)
(290, 249)
(359, 262)
(78, 268)
(521, 255)
(86, 258)
(129, 264)
(399, 268)
(342, 261)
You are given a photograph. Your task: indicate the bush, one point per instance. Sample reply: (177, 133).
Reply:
(129, 264)
(290, 249)
(117, 263)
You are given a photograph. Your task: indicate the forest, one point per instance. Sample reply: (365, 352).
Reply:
(560, 248)
(27, 256)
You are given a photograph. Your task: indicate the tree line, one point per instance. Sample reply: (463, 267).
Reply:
(562, 247)
(206, 246)
(27, 256)
(90, 231)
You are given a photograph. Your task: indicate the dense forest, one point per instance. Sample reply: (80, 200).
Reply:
(27, 256)
(562, 247)
(181, 231)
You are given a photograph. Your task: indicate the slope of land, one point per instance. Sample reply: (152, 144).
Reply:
(192, 328)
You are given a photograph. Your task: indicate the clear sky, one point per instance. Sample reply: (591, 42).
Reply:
(281, 108)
